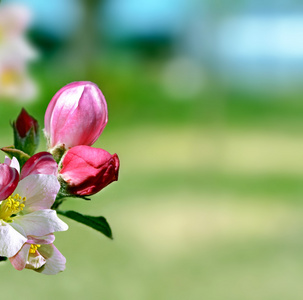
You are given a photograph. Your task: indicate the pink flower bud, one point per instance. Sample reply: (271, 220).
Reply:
(87, 170)
(9, 178)
(76, 115)
(40, 163)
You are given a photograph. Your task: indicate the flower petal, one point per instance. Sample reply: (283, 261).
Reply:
(46, 239)
(40, 222)
(87, 170)
(9, 178)
(76, 115)
(19, 260)
(55, 261)
(40, 163)
(11, 240)
(13, 163)
(40, 191)
(35, 261)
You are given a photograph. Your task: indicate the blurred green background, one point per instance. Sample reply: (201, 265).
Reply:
(206, 115)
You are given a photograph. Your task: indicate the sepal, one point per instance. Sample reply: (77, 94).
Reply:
(26, 133)
(21, 156)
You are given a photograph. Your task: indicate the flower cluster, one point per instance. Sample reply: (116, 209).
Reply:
(15, 53)
(33, 186)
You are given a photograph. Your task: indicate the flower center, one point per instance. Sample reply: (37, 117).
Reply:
(9, 77)
(11, 206)
(34, 248)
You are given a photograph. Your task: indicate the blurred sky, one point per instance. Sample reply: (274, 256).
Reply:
(254, 42)
(57, 17)
(129, 17)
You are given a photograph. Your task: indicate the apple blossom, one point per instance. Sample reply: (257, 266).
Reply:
(26, 212)
(76, 115)
(87, 170)
(40, 255)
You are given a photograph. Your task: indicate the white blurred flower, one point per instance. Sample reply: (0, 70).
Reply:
(15, 82)
(15, 53)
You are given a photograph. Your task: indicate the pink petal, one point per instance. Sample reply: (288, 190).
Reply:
(40, 163)
(76, 115)
(29, 260)
(19, 260)
(87, 170)
(46, 239)
(9, 178)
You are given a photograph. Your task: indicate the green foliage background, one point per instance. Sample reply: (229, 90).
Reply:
(208, 204)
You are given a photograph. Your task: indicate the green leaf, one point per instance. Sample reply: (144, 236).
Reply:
(98, 223)
(3, 258)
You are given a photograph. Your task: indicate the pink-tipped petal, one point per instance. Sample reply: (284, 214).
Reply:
(46, 239)
(25, 259)
(19, 260)
(40, 191)
(40, 163)
(9, 178)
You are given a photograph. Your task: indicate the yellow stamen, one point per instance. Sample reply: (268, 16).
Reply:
(34, 248)
(11, 206)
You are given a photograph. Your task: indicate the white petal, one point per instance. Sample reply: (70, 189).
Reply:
(55, 261)
(40, 191)
(40, 222)
(11, 240)
(13, 163)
